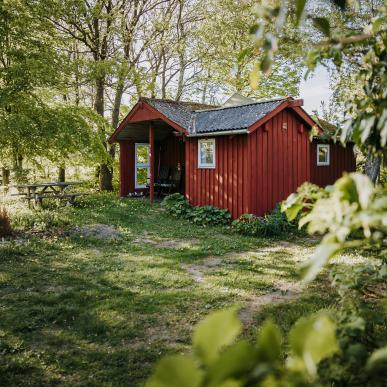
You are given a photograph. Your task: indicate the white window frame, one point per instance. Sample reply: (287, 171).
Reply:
(206, 165)
(324, 163)
(141, 165)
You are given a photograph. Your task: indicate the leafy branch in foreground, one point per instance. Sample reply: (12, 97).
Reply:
(218, 360)
(350, 214)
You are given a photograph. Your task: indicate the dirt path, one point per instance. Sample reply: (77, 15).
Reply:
(283, 291)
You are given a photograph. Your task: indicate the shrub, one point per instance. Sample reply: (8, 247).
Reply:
(274, 224)
(246, 224)
(210, 215)
(5, 223)
(177, 205)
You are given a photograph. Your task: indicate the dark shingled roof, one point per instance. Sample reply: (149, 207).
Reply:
(181, 113)
(199, 118)
(233, 117)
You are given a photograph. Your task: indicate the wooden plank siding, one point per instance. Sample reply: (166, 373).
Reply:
(341, 160)
(126, 167)
(225, 185)
(279, 161)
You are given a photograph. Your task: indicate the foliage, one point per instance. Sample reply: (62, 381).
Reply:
(220, 361)
(351, 215)
(5, 223)
(209, 216)
(177, 205)
(274, 224)
(303, 199)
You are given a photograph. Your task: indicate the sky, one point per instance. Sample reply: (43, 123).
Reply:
(315, 89)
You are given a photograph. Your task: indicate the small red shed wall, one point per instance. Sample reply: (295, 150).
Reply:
(126, 167)
(341, 160)
(279, 160)
(225, 185)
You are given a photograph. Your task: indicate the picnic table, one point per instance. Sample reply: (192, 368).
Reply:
(38, 191)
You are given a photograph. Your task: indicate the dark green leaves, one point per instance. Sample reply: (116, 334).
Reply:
(323, 25)
(342, 4)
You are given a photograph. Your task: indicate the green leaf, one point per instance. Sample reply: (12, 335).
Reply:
(300, 6)
(215, 332)
(291, 207)
(176, 371)
(238, 359)
(269, 342)
(356, 188)
(364, 188)
(324, 251)
(322, 24)
(377, 358)
(312, 340)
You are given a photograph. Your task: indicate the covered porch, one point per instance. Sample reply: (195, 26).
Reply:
(151, 158)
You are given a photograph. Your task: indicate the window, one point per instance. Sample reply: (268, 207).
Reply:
(206, 153)
(142, 165)
(322, 154)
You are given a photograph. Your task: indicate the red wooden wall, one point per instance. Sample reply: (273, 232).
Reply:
(279, 160)
(341, 160)
(225, 186)
(126, 167)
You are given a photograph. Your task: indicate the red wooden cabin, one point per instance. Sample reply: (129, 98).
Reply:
(245, 157)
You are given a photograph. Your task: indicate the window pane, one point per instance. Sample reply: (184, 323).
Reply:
(142, 154)
(142, 176)
(207, 153)
(323, 154)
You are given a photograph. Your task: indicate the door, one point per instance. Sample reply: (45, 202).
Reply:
(142, 166)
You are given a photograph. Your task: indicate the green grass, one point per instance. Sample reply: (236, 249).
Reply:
(78, 310)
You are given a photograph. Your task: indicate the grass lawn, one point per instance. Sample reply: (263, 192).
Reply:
(85, 309)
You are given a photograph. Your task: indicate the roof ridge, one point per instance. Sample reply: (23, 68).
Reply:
(181, 103)
(245, 104)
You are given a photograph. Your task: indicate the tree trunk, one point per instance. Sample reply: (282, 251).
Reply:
(372, 167)
(106, 177)
(19, 174)
(105, 171)
(62, 174)
(5, 176)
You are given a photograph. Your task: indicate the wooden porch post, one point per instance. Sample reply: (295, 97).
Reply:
(152, 162)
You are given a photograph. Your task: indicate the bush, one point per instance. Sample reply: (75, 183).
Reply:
(5, 223)
(209, 215)
(247, 224)
(274, 224)
(178, 206)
